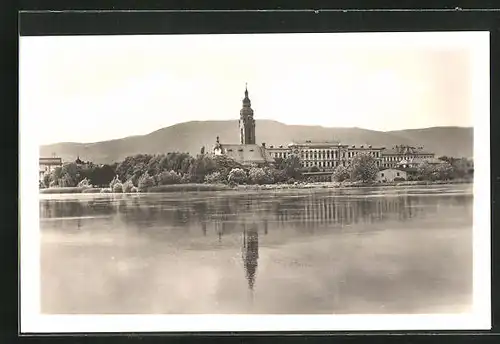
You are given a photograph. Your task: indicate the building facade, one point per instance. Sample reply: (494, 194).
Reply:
(390, 175)
(325, 156)
(47, 165)
(395, 156)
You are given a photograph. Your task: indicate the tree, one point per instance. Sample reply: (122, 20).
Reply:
(363, 168)
(291, 166)
(46, 179)
(259, 176)
(115, 180)
(313, 169)
(127, 186)
(102, 175)
(424, 171)
(169, 178)
(84, 183)
(238, 176)
(145, 182)
(117, 188)
(214, 178)
(443, 171)
(202, 166)
(278, 176)
(341, 173)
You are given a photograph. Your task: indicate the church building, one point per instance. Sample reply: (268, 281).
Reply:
(247, 152)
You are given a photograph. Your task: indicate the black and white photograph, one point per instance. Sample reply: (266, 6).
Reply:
(255, 182)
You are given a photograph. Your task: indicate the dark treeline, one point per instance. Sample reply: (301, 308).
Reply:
(143, 171)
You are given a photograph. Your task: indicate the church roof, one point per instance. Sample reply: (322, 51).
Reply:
(247, 153)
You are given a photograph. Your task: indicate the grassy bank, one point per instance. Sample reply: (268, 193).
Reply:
(223, 187)
(154, 189)
(189, 187)
(68, 190)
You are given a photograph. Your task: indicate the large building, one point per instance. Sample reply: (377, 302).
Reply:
(247, 152)
(320, 156)
(325, 156)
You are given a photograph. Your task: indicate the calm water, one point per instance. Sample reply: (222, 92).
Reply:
(333, 251)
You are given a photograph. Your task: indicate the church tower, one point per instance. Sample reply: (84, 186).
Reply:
(247, 123)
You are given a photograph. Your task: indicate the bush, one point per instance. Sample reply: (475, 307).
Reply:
(278, 176)
(115, 180)
(106, 190)
(340, 174)
(84, 183)
(260, 176)
(214, 178)
(127, 186)
(237, 176)
(145, 182)
(399, 179)
(186, 178)
(134, 189)
(169, 178)
(117, 188)
(363, 168)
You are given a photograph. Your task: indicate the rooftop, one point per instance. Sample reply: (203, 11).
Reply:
(247, 153)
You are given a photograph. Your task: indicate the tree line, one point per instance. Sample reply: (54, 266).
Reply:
(142, 171)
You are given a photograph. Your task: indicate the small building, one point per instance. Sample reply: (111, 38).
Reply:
(391, 175)
(47, 165)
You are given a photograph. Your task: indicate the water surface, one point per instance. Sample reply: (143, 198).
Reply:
(341, 251)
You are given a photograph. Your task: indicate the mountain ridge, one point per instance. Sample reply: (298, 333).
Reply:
(191, 136)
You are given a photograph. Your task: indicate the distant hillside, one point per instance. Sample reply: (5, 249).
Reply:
(191, 136)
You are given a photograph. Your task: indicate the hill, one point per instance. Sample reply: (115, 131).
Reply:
(191, 136)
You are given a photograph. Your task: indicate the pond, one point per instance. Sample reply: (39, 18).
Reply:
(326, 251)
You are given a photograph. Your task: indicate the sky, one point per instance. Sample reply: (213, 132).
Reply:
(95, 88)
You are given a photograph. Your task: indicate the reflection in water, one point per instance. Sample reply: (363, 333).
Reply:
(250, 253)
(312, 248)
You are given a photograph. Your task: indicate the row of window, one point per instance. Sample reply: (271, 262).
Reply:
(399, 158)
(332, 154)
(326, 164)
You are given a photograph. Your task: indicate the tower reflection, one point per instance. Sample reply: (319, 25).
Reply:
(250, 253)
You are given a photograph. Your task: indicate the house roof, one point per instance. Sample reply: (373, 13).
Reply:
(247, 153)
(405, 150)
(50, 161)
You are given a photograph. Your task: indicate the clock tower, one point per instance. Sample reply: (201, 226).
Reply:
(247, 123)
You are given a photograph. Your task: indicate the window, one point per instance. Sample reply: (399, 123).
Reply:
(229, 150)
(251, 150)
(397, 174)
(381, 174)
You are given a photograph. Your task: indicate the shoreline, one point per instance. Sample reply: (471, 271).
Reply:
(253, 187)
